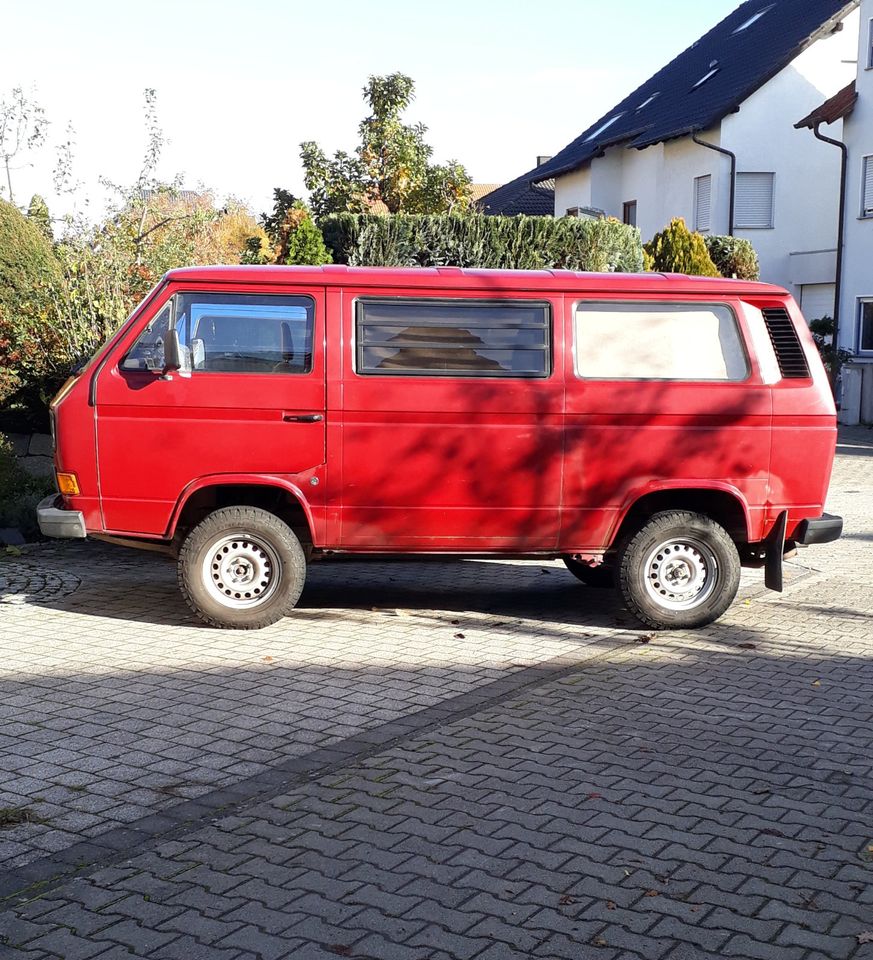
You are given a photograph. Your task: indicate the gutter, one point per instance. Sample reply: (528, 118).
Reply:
(733, 159)
(841, 235)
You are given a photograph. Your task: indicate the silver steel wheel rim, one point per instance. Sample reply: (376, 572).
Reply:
(241, 571)
(681, 573)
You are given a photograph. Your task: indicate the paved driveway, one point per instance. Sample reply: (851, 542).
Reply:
(461, 759)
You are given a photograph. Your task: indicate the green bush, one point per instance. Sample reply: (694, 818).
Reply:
(734, 257)
(29, 270)
(474, 240)
(677, 250)
(19, 493)
(304, 243)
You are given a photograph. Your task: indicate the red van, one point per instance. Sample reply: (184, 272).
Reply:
(655, 432)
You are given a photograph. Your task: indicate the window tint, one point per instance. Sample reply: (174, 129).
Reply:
(658, 341)
(453, 339)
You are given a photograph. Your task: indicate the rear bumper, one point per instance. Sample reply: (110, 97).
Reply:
(825, 529)
(54, 521)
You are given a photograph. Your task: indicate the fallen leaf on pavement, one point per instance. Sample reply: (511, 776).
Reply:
(566, 900)
(865, 937)
(460, 636)
(747, 646)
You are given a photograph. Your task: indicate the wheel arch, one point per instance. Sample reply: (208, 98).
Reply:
(279, 496)
(721, 502)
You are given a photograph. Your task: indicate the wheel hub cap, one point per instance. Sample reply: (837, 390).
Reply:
(241, 570)
(681, 574)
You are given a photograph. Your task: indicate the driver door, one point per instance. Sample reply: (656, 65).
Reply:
(250, 406)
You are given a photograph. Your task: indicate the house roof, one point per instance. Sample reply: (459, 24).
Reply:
(838, 107)
(709, 80)
(520, 196)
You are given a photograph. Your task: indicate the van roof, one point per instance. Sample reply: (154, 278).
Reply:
(428, 277)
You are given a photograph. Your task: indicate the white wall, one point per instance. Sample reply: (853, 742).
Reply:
(858, 251)
(807, 181)
(661, 178)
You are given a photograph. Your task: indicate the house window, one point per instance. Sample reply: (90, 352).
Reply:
(865, 323)
(604, 127)
(629, 213)
(867, 187)
(702, 203)
(754, 19)
(453, 338)
(754, 201)
(870, 45)
(707, 76)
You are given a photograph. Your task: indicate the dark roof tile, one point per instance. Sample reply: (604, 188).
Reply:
(758, 40)
(520, 196)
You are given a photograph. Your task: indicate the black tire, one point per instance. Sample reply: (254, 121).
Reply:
(602, 577)
(694, 547)
(258, 564)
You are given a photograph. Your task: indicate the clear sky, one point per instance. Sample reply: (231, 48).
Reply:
(240, 85)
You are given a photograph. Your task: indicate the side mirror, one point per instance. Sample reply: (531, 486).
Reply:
(176, 357)
(172, 351)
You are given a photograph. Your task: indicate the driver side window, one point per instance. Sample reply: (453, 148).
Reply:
(231, 333)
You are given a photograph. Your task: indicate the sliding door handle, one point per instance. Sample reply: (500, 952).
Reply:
(303, 417)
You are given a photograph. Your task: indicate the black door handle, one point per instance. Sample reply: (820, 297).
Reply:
(303, 417)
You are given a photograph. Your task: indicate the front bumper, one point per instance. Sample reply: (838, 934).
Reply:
(825, 529)
(54, 521)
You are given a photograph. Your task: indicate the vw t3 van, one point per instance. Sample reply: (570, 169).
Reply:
(654, 432)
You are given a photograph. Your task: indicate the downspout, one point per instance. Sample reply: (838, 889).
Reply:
(841, 235)
(733, 159)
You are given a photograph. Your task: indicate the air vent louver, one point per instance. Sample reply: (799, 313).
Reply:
(789, 352)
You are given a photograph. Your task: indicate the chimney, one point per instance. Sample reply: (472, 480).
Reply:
(543, 158)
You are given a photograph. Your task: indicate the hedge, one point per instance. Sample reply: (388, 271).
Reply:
(474, 240)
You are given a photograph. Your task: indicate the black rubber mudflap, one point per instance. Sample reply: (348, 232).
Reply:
(775, 550)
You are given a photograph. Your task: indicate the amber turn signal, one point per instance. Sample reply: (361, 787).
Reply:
(68, 484)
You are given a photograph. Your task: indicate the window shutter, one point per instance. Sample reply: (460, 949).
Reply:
(754, 203)
(867, 193)
(702, 203)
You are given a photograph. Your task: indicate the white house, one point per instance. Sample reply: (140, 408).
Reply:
(711, 138)
(856, 302)
(850, 112)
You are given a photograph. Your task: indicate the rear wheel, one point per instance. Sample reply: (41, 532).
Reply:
(602, 576)
(681, 570)
(242, 568)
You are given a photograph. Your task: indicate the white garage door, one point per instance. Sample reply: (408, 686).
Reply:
(817, 300)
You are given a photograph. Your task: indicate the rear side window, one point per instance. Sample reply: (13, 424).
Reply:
(453, 338)
(659, 341)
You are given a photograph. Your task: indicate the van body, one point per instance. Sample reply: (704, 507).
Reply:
(654, 431)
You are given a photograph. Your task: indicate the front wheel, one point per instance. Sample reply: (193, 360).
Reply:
(241, 568)
(681, 570)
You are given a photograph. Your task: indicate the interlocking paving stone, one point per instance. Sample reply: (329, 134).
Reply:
(390, 795)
